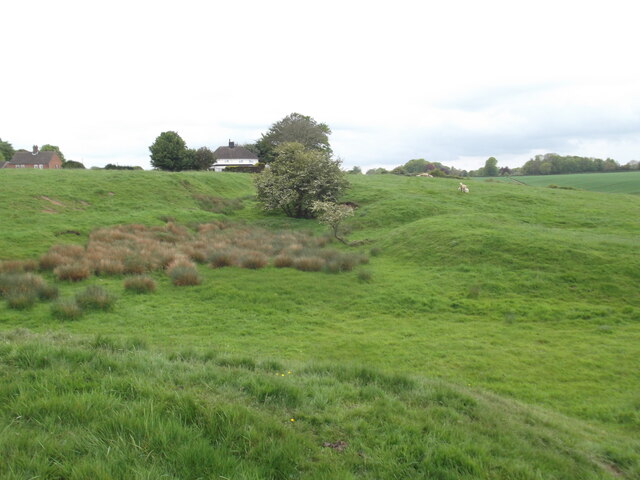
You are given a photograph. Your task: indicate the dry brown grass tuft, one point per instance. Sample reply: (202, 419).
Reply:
(18, 266)
(51, 260)
(139, 284)
(183, 272)
(283, 261)
(309, 264)
(73, 272)
(254, 260)
(224, 258)
(95, 297)
(106, 266)
(137, 249)
(66, 309)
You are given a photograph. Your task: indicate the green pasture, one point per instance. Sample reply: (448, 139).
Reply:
(522, 301)
(615, 182)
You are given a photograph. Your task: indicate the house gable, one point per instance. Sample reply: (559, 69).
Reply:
(35, 159)
(233, 156)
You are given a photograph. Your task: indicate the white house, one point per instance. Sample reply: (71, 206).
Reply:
(233, 156)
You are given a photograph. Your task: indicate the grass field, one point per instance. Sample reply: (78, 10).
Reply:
(616, 182)
(494, 335)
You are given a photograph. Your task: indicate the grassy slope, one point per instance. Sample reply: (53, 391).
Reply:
(106, 409)
(616, 182)
(81, 200)
(529, 293)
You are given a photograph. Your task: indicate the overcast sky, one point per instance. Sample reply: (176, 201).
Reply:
(454, 82)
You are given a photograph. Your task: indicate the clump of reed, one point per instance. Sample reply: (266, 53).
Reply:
(95, 297)
(60, 255)
(66, 309)
(72, 272)
(222, 258)
(283, 261)
(138, 249)
(183, 272)
(18, 266)
(253, 260)
(309, 263)
(139, 284)
(23, 290)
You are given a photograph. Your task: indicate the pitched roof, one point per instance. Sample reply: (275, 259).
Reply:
(2, 164)
(28, 158)
(233, 153)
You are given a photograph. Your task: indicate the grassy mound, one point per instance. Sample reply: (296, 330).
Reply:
(105, 408)
(529, 293)
(44, 209)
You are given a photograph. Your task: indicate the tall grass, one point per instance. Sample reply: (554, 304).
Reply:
(22, 290)
(137, 249)
(107, 408)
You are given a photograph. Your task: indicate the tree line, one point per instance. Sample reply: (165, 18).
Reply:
(552, 163)
(547, 164)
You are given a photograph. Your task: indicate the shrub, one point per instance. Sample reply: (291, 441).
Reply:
(66, 309)
(183, 273)
(139, 284)
(95, 298)
(309, 264)
(253, 260)
(297, 178)
(73, 272)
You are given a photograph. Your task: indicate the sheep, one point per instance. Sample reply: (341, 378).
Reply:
(463, 188)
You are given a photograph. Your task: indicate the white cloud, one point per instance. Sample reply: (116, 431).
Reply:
(454, 82)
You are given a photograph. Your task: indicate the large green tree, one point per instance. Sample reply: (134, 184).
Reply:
(203, 159)
(53, 148)
(294, 128)
(491, 167)
(417, 165)
(169, 152)
(297, 178)
(6, 150)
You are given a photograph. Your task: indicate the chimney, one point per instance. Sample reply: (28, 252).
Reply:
(231, 144)
(35, 150)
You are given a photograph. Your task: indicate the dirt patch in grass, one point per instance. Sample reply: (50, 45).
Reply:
(52, 201)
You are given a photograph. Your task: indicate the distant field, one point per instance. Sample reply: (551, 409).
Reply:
(618, 182)
(491, 335)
